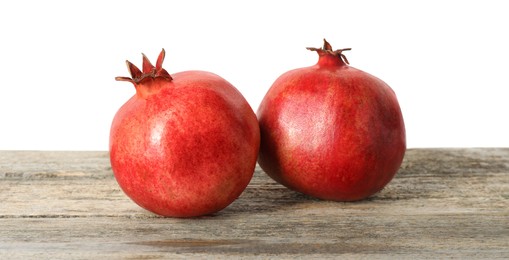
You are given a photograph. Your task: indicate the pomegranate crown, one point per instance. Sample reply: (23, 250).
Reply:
(327, 49)
(149, 71)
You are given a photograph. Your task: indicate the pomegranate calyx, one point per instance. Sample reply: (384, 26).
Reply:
(148, 70)
(327, 50)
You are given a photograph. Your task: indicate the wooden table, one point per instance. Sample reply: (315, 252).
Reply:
(443, 203)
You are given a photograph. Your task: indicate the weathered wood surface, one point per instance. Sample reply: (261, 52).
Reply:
(443, 203)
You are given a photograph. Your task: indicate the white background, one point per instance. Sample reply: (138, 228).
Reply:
(446, 60)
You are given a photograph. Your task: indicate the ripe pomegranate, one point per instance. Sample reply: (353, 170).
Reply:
(331, 131)
(185, 144)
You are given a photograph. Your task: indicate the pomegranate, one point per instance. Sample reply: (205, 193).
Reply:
(185, 144)
(331, 131)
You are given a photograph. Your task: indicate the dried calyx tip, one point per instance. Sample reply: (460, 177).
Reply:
(148, 70)
(327, 48)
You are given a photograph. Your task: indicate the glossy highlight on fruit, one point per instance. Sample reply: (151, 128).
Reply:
(185, 144)
(331, 131)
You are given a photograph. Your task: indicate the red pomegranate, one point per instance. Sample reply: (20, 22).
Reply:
(331, 131)
(185, 144)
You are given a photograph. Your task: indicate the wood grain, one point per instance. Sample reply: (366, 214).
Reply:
(443, 203)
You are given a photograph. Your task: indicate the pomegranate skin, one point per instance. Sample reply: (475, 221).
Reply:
(331, 131)
(185, 145)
